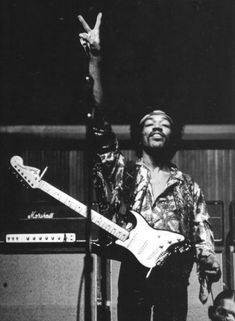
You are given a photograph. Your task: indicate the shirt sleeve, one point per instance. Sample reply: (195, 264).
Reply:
(202, 231)
(106, 147)
(204, 239)
(111, 166)
(112, 162)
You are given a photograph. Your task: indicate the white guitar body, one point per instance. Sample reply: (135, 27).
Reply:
(150, 246)
(147, 244)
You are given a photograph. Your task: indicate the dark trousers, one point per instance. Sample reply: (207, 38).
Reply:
(164, 292)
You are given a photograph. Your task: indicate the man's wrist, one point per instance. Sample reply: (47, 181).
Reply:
(95, 65)
(95, 55)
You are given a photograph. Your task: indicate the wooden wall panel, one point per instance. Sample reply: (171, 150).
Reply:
(66, 169)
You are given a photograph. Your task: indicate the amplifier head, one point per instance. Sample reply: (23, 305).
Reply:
(44, 217)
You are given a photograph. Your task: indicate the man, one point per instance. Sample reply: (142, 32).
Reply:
(167, 199)
(223, 308)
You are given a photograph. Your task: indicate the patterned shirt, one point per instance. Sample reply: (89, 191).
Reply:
(179, 208)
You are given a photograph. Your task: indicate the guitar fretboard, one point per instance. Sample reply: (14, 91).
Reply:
(81, 209)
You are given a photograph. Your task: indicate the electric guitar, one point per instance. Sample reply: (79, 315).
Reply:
(150, 246)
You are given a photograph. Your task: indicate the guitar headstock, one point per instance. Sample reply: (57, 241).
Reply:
(31, 175)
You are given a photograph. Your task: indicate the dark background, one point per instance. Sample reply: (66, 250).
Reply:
(176, 55)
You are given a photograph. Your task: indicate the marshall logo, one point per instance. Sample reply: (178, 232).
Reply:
(44, 210)
(38, 215)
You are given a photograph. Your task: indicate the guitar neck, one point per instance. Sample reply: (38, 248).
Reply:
(81, 209)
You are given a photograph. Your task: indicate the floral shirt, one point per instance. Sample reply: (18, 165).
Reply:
(181, 207)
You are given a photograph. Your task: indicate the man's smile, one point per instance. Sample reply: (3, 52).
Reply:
(157, 135)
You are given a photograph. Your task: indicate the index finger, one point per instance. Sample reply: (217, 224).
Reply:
(98, 21)
(84, 23)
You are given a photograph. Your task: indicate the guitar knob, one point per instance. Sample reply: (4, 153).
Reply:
(169, 242)
(161, 246)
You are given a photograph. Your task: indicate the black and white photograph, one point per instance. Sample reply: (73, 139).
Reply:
(117, 135)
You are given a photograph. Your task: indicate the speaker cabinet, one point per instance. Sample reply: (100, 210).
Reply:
(216, 212)
(231, 241)
(44, 287)
(232, 223)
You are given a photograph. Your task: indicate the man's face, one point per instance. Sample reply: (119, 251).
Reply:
(156, 131)
(225, 311)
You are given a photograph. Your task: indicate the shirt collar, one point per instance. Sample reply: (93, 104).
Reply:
(175, 174)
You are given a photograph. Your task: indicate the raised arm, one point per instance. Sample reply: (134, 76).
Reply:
(104, 142)
(90, 40)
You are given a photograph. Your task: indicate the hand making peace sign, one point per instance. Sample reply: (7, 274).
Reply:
(90, 40)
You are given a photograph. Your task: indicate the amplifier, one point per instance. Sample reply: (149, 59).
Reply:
(232, 222)
(216, 212)
(44, 222)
